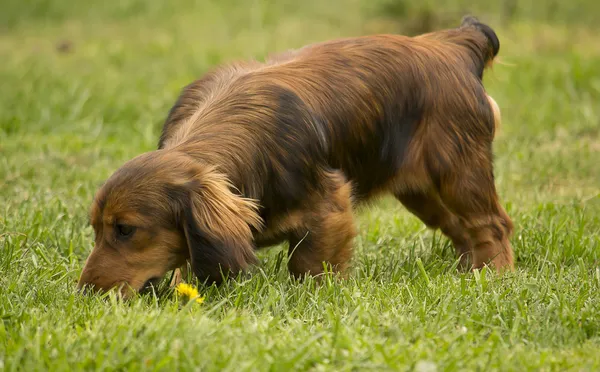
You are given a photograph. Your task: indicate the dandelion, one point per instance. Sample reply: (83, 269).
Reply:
(189, 292)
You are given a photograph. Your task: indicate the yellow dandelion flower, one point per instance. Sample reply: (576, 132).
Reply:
(190, 292)
(187, 290)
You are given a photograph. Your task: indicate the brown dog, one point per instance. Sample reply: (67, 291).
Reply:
(255, 154)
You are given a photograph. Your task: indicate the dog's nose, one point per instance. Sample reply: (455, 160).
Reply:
(88, 281)
(150, 284)
(84, 288)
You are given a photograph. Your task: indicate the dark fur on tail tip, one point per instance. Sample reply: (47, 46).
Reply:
(485, 29)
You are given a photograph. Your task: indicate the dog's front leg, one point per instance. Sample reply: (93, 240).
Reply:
(325, 236)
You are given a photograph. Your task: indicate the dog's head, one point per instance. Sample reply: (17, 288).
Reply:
(159, 210)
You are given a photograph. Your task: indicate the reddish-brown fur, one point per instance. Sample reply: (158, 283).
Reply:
(254, 154)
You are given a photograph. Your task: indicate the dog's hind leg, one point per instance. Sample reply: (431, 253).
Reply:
(469, 192)
(325, 235)
(430, 209)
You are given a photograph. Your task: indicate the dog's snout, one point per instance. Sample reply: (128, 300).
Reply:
(83, 288)
(87, 284)
(150, 284)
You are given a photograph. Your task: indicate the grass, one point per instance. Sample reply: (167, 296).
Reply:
(85, 87)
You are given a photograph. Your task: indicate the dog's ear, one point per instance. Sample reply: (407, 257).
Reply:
(217, 224)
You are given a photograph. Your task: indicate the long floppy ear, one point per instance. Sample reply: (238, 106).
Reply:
(217, 225)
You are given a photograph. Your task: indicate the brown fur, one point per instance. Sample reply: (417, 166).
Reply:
(254, 154)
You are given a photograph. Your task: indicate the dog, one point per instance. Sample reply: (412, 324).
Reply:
(254, 154)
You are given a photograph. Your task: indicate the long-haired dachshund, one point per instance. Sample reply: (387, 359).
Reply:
(254, 154)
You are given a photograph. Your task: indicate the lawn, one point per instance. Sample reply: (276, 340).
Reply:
(85, 86)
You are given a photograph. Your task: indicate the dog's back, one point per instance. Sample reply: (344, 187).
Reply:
(365, 100)
(381, 95)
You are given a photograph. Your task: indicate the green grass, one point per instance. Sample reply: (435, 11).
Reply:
(68, 120)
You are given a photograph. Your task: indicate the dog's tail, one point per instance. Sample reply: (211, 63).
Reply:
(491, 49)
(484, 42)
(477, 45)
(482, 45)
(478, 40)
(488, 51)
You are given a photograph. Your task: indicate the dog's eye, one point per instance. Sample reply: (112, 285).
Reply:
(125, 231)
